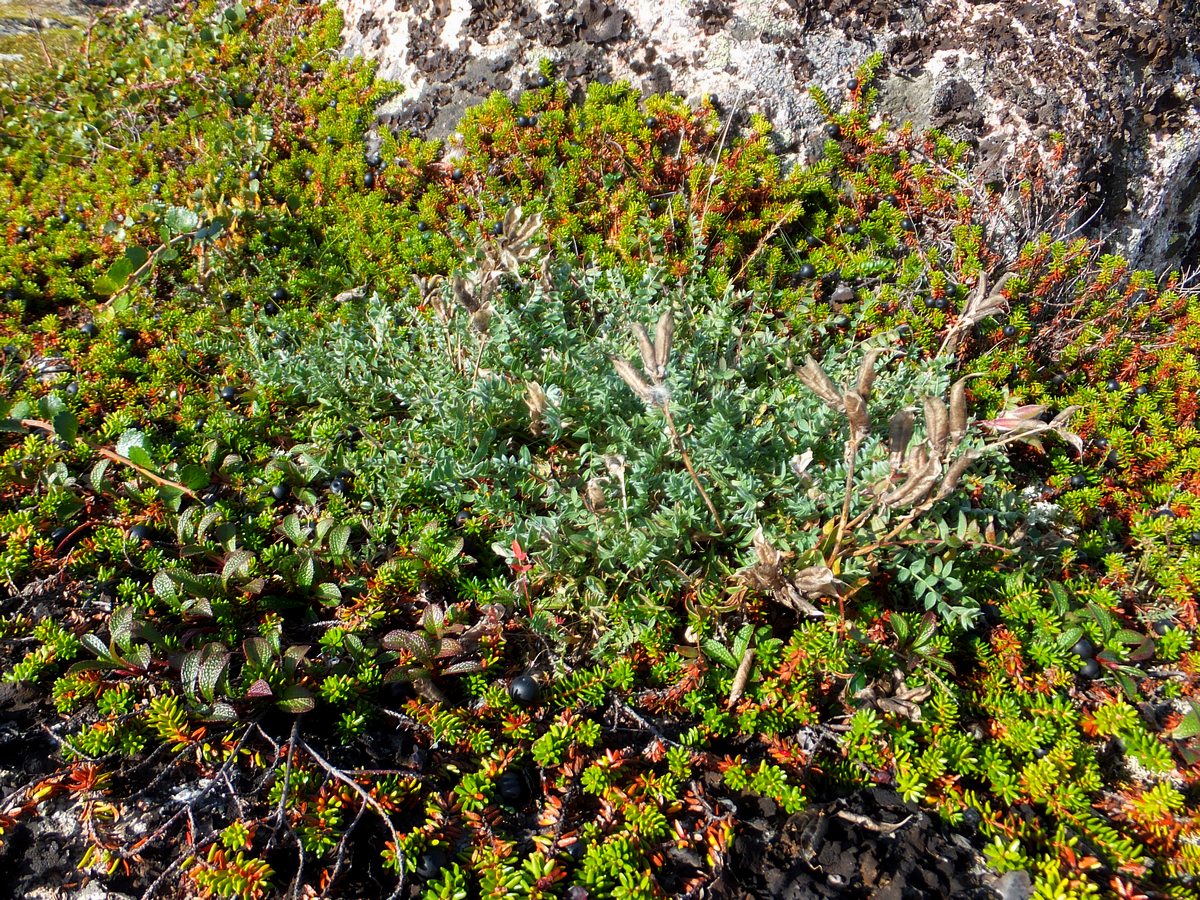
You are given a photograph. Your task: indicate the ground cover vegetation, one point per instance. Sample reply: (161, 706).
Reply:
(506, 516)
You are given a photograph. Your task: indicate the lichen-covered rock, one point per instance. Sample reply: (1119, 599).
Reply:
(1119, 78)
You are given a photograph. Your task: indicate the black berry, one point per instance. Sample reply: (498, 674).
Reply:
(141, 533)
(270, 308)
(72, 389)
(89, 329)
(808, 270)
(542, 81)
(338, 485)
(1112, 385)
(971, 817)
(456, 175)
(128, 335)
(280, 492)
(1162, 626)
(1084, 648)
(834, 130)
(279, 294)
(1078, 481)
(524, 690)
(369, 180)
(228, 393)
(1090, 669)
(852, 84)
(1113, 460)
(1142, 390)
(1194, 538)
(513, 787)
(306, 69)
(1010, 331)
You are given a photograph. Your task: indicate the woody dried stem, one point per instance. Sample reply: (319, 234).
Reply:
(651, 388)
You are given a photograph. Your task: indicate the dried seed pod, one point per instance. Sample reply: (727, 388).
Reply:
(954, 474)
(856, 412)
(900, 432)
(464, 294)
(663, 334)
(742, 676)
(594, 497)
(813, 377)
(535, 400)
(958, 411)
(866, 372)
(936, 425)
(481, 319)
(631, 377)
(646, 347)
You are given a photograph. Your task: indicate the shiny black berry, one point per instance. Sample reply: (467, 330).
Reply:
(522, 122)
(834, 130)
(524, 690)
(228, 393)
(1162, 626)
(1142, 390)
(89, 329)
(1194, 538)
(808, 270)
(369, 180)
(1010, 331)
(1090, 669)
(497, 229)
(281, 492)
(542, 81)
(308, 174)
(456, 175)
(72, 389)
(841, 322)
(128, 335)
(64, 218)
(1078, 481)
(852, 85)
(22, 231)
(139, 533)
(1113, 460)
(422, 227)
(651, 122)
(907, 225)
(306, 69)
(1084, 648)
(338, 485)
(1112, 385)
(279, 294)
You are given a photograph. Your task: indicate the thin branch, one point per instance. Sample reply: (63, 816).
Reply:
(687, 462)
(369, 801)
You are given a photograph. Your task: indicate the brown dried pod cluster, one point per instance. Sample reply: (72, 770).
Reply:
(512, 248)
(651, 389)
(795, 589)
